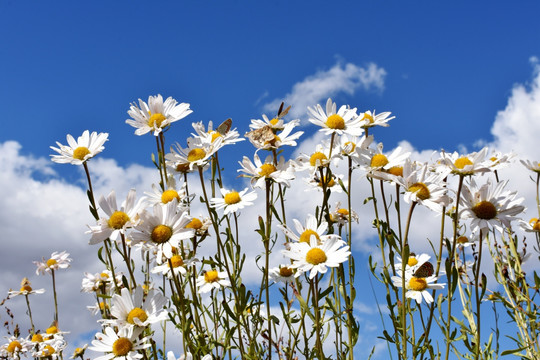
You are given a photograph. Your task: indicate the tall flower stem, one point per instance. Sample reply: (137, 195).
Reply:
(55, 298)
(30, 313)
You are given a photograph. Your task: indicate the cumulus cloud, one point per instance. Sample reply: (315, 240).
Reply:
(340, 78)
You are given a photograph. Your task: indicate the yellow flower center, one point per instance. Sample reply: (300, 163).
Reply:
(315, 256)
(421, 191)
(317, 157)
(328, 183)
(493, 159)
(232, 198)
(37, 338)
(169, 195)
(211, 276)
(161, 234)
(412, 261)
(285, 271)
(195, 224)
(396, 170)
(462, 162)
(118, 219)
(343, 212)
(14, 346)
(349, 147)
(80, 152)
(122, 346)
(26, 288)
(196, 154)
(103, 306)
(417, 284)
(104, 275)
(306, 235)
(485, 210)
(136, 313)
(536, 226)
(267, 169)
(156, 120)
(51, 262)
(368, 118)
(378, 160)
(52, 330)
(462, 240)
(335, 122)
(47, 351)
(177, 261)
(274, 121)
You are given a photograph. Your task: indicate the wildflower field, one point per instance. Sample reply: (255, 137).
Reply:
(174, 258)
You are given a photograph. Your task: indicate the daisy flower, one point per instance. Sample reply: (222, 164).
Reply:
(118, 220)
(317, 258)
(159, 196)
(414, 262)
(469, 164)
(531, 165)
(259, 172)
(25, 290)
(343, 121)
(199, 226)
(322, 157)
(532, 226)
(50, 349)
(269, 137)
(197, 154)
(341, 215)
(77, 152)
(14, 348)
(282, 273)
(463, 242)
(326, 182)
(164, 229)
(228, 137)
(233, 201)
(79, 352)
(499, 160)
(122, 345)
(417, 287)
(353, 147)
(377, 162)
(186, 356)
(99, 308)
(56, 261)
(369, 119)
(303, 233)
(212, 279)
(488, 206)
(100, 282)
(176, 266)
(276, 123)
(156, 115)
(134, 311)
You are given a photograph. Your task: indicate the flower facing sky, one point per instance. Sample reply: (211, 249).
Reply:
(123, 344)
(232, 200)
(369, 119)
(418, 288)
(156, 115)
(77, 152)
(343, 121)
(138, 310)
(212, 279)
(469, 164)
(55, 262)
(26, 289)
(316, 258)
(259, 172)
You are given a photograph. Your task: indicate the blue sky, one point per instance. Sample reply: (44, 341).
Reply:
(453, 73)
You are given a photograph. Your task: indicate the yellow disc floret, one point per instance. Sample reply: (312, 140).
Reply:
(462, 162)
(396, 170)
(412, 261)
(51, 262)
(378, 160)
(211, 276)
(349, 147)
(136, 313)
(169, 195)
(52, 330)
(177, 261)
(195, 224)
(80, 152)
(267, 169)
(317, 157)
(421, 191)
(285, 271)
(274, 121)
(327, 182)
(14, 346)
(485, 210)
(37, 338)
(368, 117)
(307, 234)
(161, 234)
(315, 256)
(232, 198)
(26, 288)
(122, 347)
(118, 219)
(535, 223)
(156, 120)
(462, 240)
(196, 154)
(418, 284)
(47, 351)
(335, 121)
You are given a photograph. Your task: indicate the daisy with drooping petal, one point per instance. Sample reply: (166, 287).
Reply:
(164, 229)
(417, 287)
(159, 196)
(25, 290)
(531, 165)
(377, 162)
(499, 160)
(79, 352)
(138, 310)
(322, 157)
(317, 258)
(50, 349)
(56, 261)
(303, 233)
(199, 226)
(14, 348)
(276, 123)
(77, 152)
(212, 279)
(489, 206)
(282, 273)
(259, 172)
(100, 282)
(532, 226)
(228, 137)
(466, 165)
(118, 220)
(156, 115)
(341, 215)
(353, 146)
(176, 265)
(122, 345)
(369, 119)
(326, 182)
(196, 155)
(343, 121)
(232, 201)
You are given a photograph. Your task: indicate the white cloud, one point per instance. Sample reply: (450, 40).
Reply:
(341, 78)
